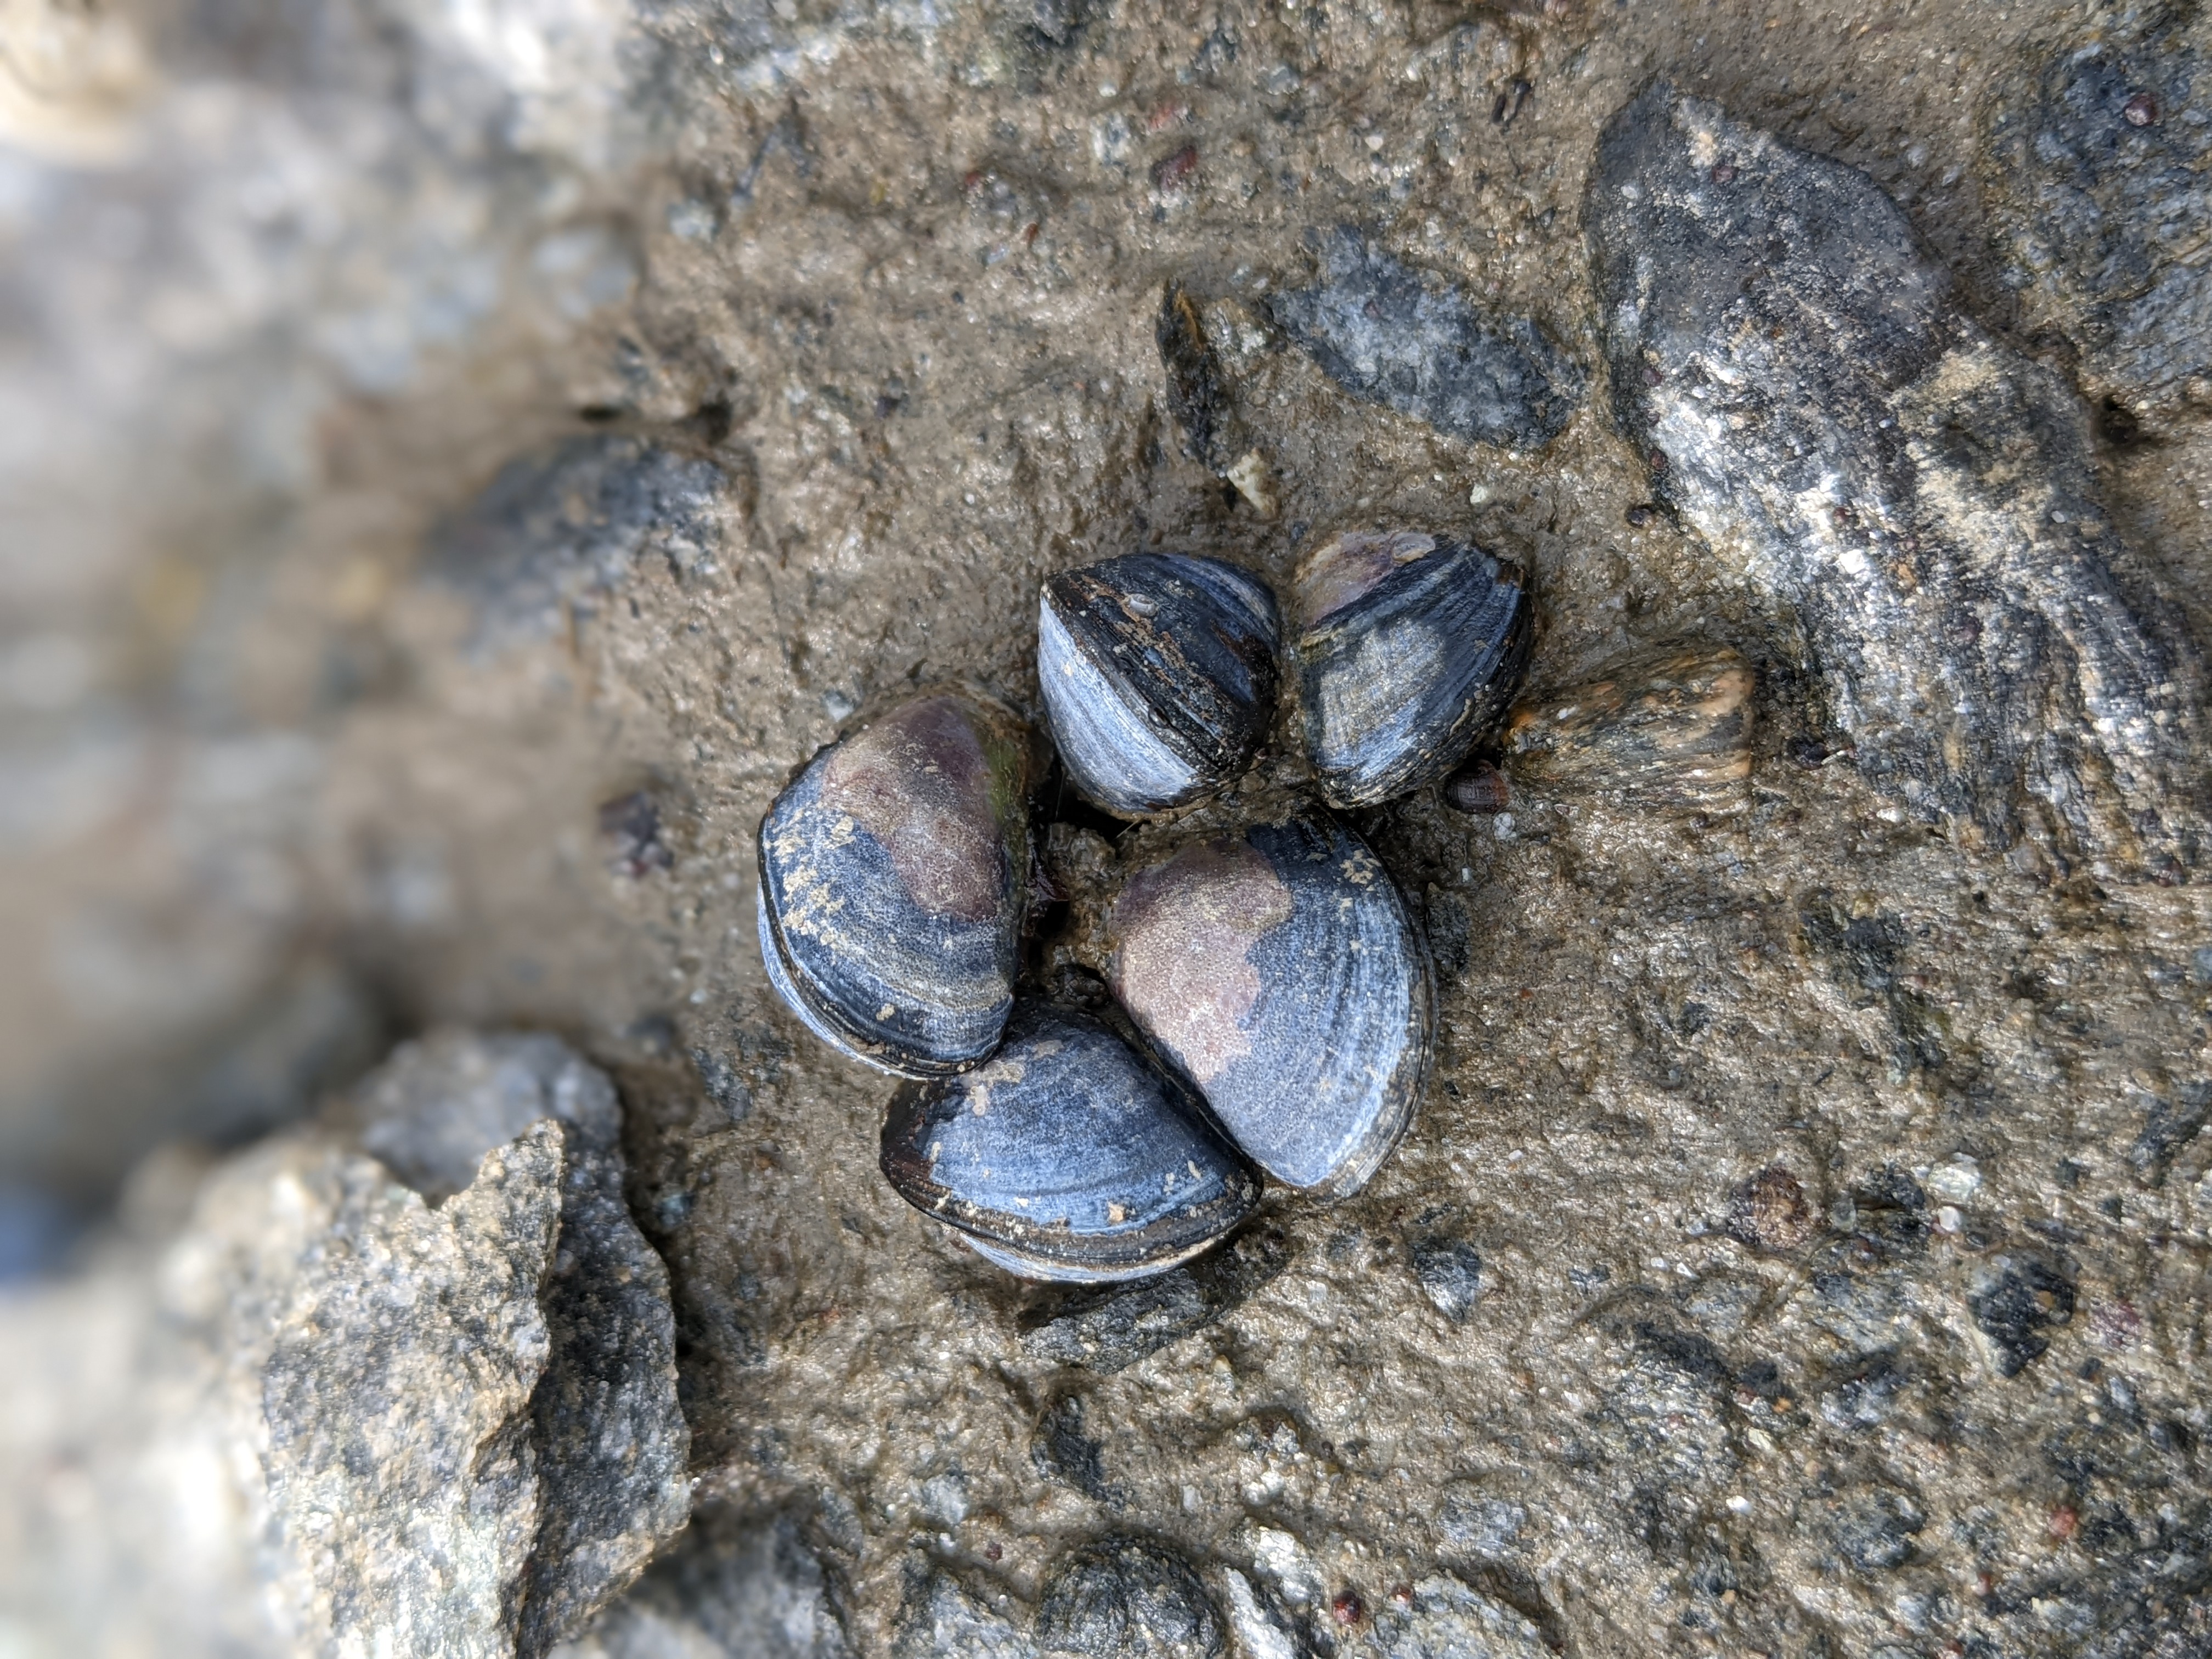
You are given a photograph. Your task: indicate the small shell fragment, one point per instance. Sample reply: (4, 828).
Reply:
(1478, 786)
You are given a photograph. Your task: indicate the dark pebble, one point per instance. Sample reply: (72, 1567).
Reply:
(1128, 1598)
(630, 826)
(2015, 1299)
(1062, 1450)
(1390, 336)
(1196, 397)
(555, 531)
(1769, 1211)
(1451, 1274)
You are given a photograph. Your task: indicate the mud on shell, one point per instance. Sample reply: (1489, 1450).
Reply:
(1159, 676)
(894, 882)
(1066, 1156)
(1277, 968)
(1410, 647)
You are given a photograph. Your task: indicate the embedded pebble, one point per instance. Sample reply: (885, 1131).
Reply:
(1126, 1598)
(557, 531)
(1446, 1618)
(1390, 336)
(2096, 162)
(1812, 399)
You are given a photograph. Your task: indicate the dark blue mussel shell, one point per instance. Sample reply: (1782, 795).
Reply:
(1277, 967)
(1066, 1155)
(1410, 649)
(1159, 676)
(894, 882)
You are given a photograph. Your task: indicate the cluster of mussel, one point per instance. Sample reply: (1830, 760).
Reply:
(1270, 1005)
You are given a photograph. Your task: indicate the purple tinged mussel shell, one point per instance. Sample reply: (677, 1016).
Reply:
(1277, 967)
(894, 883)
(1159, 677)
(1410, 646)
(1066, 1155)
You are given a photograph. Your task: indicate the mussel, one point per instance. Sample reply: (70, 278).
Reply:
(1066, 1155)
(1277, 967)
(1159, 676)
(893, 881)
(1410, 646)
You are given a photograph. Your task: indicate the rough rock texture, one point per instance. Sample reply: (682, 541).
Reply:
(2098, 160)
(1810, 395)
(556, 533)
(1418, 347)
(1777, 1136)
(402, 1481)
(1441, 1619)
(750, 1586)
(429, 1420)
(608, 1446)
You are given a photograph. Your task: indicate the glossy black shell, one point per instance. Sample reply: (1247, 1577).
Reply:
(1159, 676)
(1278, 970)
(1410, 648)
(893, 881)
(1066, 1155)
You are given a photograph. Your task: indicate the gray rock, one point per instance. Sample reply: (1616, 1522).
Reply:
(939, 1617)
(2097, 168)
(1449, 1272)
(1108, 1331)
(473, 1442)
(1812, 399)
(555, 531)
(1874, 1528)
(1264, 1630)
(1445, 1619)
(1388, 336)
(2014, 1300)
(734, 1587)
(402, 1481)
(1482, 1524)
(1126, 1598)
(611, 1443)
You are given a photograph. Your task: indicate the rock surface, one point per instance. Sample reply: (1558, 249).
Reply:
(2097, 161)
(1745, 1118)
(448, 1410)
(1385, 334)
(555, 534)
(1811, 396)
(734, 1587)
